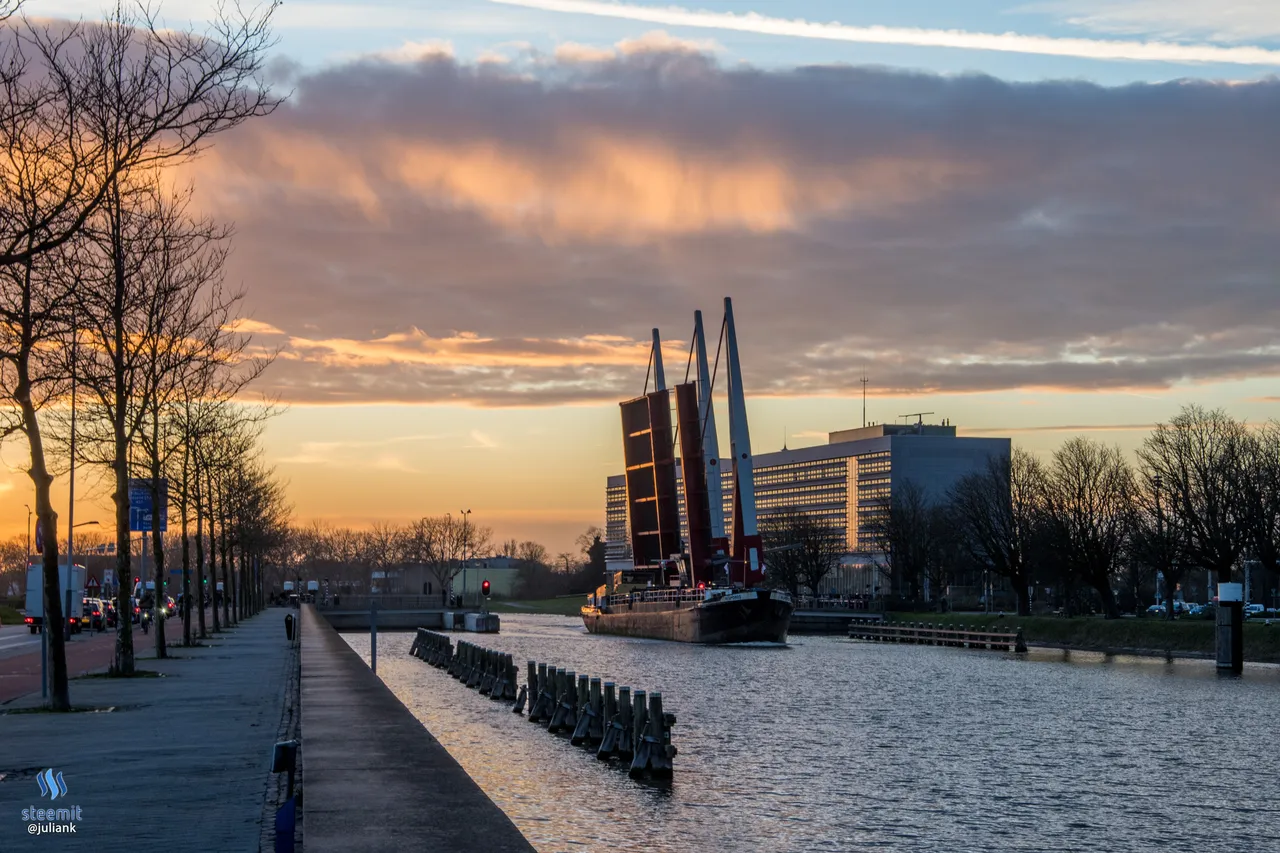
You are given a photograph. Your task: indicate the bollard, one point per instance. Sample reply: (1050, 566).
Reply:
(654, 751)
(595, 730)
(373, 634)
(513, 676)
(1019, 642)
(611, 726)
(564, 684)
(625, 723)
(486, 681)
(588, 731)
(639, 719)
(540, 703)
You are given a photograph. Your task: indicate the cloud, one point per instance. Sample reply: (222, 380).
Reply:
(1237, 21)
(247, 326)
(1008, 430)
(753, 22)
(354, 453)
(507, 236)
(482, 441)
(418, 51)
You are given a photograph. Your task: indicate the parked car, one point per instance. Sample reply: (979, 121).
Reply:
(1156, 610)
(1254, 610)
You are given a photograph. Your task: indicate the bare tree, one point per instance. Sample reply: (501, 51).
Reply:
(801, 550)
(1089, 509)
(87, 103)
(1157, 537)
(995, 512)
(1261, 492)
(1200, 457)
(901, 536)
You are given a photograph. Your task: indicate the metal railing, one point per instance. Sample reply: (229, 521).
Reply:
(385, 602)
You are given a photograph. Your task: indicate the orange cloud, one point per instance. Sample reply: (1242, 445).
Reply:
(601, 186)
(467, 350)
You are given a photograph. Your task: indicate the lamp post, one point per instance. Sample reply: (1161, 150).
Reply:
(1156, 482)
(466, 514)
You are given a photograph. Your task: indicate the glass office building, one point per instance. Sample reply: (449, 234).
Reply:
(846, 482)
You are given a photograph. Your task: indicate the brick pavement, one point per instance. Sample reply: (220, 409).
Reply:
(139, 788)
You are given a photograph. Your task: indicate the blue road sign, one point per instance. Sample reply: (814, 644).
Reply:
(142, 515)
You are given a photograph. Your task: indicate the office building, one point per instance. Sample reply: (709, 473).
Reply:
(847, 482)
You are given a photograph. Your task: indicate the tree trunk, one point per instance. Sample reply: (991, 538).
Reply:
(1024, 599)
(200, 575)
(214, 596)
(157, 543)
(54, 620)
(226, 568)
(124, 664)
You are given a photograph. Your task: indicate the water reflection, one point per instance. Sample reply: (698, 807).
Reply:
(828, 744)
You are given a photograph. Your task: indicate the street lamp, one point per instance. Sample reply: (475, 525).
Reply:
(465, 513)
(1156, 482)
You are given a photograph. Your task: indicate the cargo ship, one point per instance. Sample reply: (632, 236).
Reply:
(710, 588)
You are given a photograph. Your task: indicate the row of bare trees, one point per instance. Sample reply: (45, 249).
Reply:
(1203, 495)
(354, 560)
(351, 558)
(111, 288)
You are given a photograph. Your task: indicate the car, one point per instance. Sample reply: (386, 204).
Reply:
(112, 616)
(1156, 609)
(1254, 609)
(95, 613)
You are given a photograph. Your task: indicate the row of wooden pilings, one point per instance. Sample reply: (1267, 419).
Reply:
(623, 725)
(927, 633)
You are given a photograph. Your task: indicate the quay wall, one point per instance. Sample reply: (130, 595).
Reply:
(374, 779)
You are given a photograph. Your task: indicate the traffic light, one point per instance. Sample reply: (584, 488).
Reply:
(206, 581)
(484, 588)
(135, 580)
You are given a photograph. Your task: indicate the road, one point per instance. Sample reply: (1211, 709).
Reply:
(20, 658)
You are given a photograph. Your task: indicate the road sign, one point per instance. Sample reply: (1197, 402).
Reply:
(142, 515)
(91, 583)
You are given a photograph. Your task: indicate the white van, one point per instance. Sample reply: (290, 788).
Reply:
(34, 617)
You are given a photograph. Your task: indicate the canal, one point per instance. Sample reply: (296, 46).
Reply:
(829, 744)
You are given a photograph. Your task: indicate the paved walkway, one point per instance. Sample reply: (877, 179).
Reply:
(374, 778)
(141, 787)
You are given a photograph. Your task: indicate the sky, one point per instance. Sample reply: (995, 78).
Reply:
(1031, 218)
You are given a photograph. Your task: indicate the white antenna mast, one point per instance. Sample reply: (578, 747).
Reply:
(659, 378)
(710, 441)
(740, 440)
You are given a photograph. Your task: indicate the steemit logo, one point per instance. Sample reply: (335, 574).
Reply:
(59, 819)
(51, 785)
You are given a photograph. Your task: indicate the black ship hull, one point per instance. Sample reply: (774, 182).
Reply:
(743, 617)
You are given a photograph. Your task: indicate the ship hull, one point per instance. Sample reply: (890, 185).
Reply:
(742, 618)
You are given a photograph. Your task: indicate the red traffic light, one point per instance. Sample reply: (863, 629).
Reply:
(484, 588)
(135, 580)
(701, 585)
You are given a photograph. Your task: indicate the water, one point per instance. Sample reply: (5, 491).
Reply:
(830, 744)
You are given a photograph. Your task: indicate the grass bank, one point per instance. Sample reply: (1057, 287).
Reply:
(9, 615)
(571, 606)
(1093, 633)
